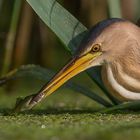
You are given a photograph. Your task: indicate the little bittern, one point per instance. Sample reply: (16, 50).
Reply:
(115, 45)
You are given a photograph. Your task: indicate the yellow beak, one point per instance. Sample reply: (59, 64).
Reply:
(74, 67)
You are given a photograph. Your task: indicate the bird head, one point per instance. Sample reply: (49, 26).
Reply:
(108, 41)
(105, 42)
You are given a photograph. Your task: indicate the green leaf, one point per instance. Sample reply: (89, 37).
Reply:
(135, 105)
(45, 75)
(60, 21)
(95, 75)
(115, 8)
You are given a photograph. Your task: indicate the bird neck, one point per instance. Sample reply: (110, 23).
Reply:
(122, 79)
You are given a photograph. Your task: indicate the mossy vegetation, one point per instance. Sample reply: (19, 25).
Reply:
(66, 115)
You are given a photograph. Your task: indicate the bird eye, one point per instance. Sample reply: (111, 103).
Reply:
(96, 48)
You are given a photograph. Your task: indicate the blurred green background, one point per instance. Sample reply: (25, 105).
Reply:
(25, 39)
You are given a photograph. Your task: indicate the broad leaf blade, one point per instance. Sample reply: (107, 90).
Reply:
(45, 75)
(60, 21)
